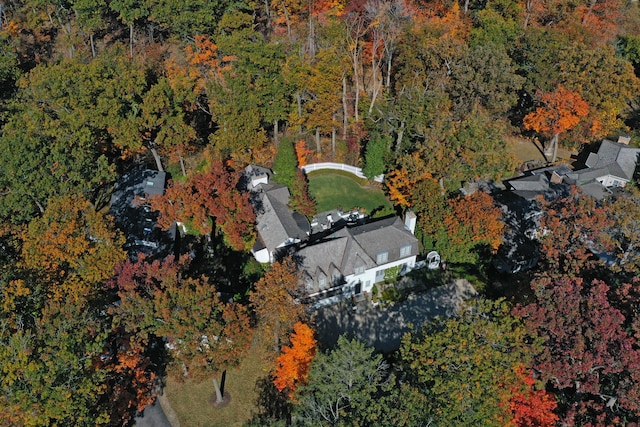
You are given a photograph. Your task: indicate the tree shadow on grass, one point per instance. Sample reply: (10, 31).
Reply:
(274, 408)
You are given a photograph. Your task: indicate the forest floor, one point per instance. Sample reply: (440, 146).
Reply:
(528, 150)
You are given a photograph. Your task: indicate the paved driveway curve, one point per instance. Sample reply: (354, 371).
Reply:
(152, 416)
(383, 327)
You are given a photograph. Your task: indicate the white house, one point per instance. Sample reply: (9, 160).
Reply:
(351, 260)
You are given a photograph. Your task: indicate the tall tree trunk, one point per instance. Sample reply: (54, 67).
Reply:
(552, 148)
(156, 157)
(333, 141)
(388, 82)
(466, 6)
(218, 390)
(527, 15)
(275, 132)
(184, 170)
(287, 19)
(555, 148)
(356, 101)
(131, 40)
(399, 138)
(93, 46)
(299, 103)
(345, 108)
(267, 12)
(318, 146)
(311, 39)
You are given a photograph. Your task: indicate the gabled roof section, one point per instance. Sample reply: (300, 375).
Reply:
(276, 224)
(383, 235)
(613, 159)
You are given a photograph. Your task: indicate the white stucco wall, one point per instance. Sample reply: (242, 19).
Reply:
(368, 278)
(608, 181)
(262, 255)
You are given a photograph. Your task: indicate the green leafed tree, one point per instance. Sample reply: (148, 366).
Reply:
(48, 372)
(462, 364)
(342, 387)
(376, 152)
(204, 334)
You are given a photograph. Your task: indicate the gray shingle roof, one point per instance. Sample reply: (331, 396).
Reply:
(612, 158)
(353, 247)
(276, 223)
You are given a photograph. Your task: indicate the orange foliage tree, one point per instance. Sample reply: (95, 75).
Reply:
(476, 220)
(399, 185)
(292, 366)
(275, 300)
(559, 111)
(302, 152)
(209, 197)
(72, 245)
(531, 407)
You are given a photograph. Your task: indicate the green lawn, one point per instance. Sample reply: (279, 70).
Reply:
(333, 190)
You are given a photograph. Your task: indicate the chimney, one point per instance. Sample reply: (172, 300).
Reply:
(410, 219)
(259, 179)
(624, 139)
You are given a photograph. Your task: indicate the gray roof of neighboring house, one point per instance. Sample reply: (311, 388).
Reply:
(594, 189)
(612, 158)
(537, 182)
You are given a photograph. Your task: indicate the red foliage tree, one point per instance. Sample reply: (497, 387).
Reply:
(574, 227)
(475, 219)
(587, 357)
(205, 334)
(207, 197)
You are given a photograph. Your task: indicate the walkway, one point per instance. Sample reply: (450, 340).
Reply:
(383, 327)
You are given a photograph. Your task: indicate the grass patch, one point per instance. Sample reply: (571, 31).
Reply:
(333, 190)
(191, 400)
(362, 181)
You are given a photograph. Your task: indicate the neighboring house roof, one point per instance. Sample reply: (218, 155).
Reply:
(539, 182)
(136, 219)
(351, 248)
(613, 159)
(275, 222)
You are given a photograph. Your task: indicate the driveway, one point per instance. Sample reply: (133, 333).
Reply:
(383, 327)
(152, 416)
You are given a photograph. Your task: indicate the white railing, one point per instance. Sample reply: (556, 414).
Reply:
(341, 167)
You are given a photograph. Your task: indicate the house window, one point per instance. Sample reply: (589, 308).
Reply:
(359, 270)
(382, 257)
(405, 251)
(379, 275)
